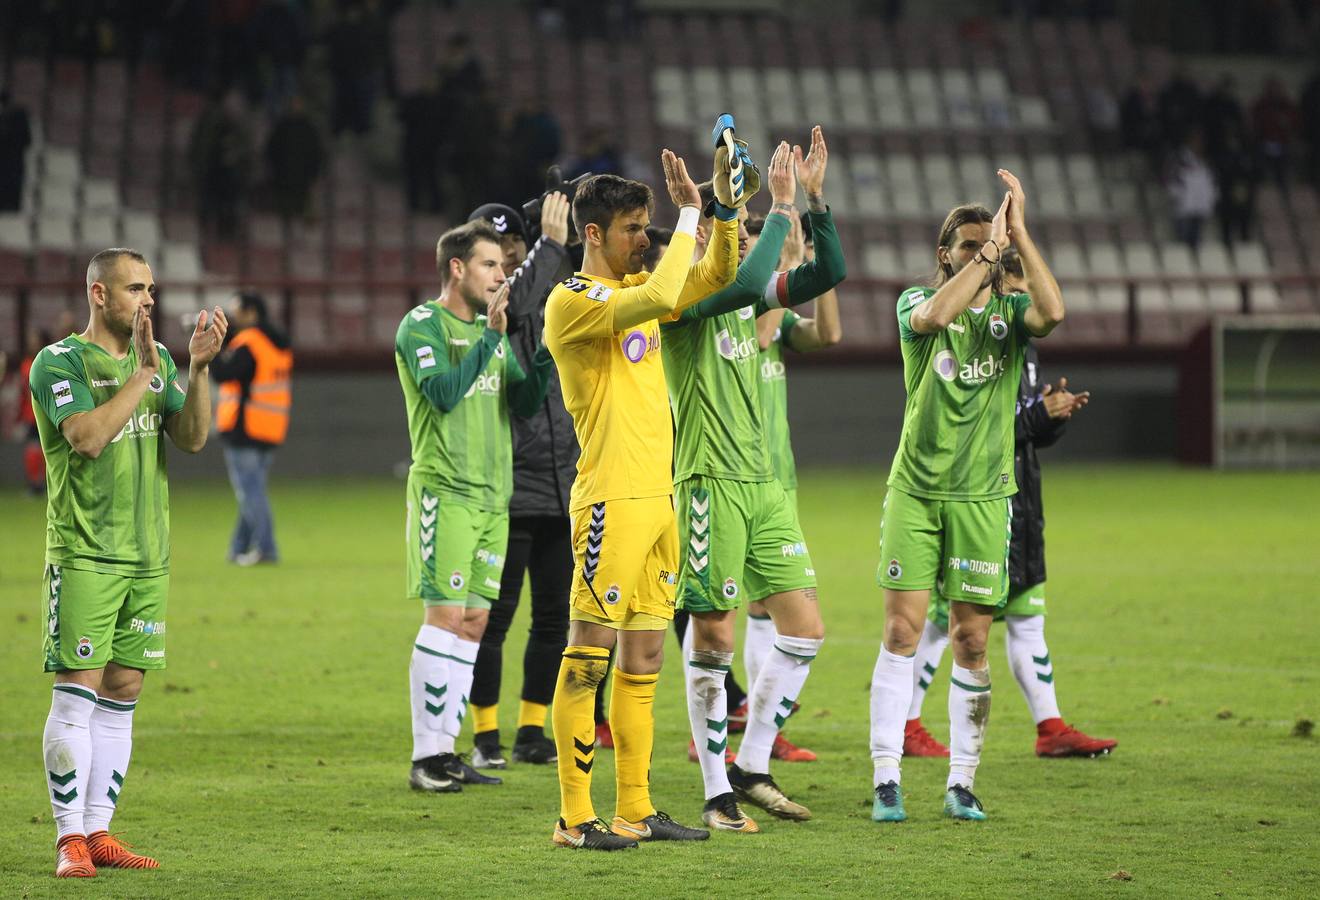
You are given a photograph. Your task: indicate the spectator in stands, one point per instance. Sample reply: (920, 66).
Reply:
(1221, 117)
(252, 417)
(281, 34)
(15, 138)
(1139, 121)
(1237, 172)
(534, 140)
(295, 153)
(1310, 111)
(462, 77)
(357, 42)
(1180, 105)
(423, 116)
(1192, 190)
(1277, 122)
(221, 155)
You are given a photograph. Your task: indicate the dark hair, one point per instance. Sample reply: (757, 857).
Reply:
(968, 213)
(251, 300)
(707, 191)
(755, 224)
(601, 197)
(1011, 263)
(457, 243)
(103, 262)
(659, 238)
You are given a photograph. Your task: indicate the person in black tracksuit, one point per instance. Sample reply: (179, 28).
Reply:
(545, 454)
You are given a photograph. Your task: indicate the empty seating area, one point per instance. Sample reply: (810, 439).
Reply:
(918, 116)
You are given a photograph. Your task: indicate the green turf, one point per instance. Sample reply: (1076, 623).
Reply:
(272, 756)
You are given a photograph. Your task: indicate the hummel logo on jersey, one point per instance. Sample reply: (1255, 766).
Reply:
(976, 589)
(57, 349)
(576, 285)
(421, 313)
(105, 382)
(459, 342)
(425, 357)
(63, 392)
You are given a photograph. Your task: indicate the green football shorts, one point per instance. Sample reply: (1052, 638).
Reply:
(740, 541)
(93, 618)
(958, 548)
(455, 552)
(1029, 601)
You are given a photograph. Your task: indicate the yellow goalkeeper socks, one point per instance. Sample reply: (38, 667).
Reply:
(632, 720)
(531, 714)
(580, 673)
(485, 718)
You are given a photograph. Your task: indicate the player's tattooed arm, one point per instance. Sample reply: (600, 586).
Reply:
(1046, 310)
(958, 293)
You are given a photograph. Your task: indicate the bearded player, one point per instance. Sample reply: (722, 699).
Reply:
(963, 343)
(102, 400)
(603, 328)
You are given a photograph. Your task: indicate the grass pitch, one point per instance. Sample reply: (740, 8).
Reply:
(271, 757)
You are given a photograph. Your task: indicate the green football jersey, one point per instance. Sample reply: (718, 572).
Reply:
(712, 368)
(110, 514)
(466, 453)
(774, 403)
(957, 441)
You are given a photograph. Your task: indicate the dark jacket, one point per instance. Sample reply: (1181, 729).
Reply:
(238, 365)
(1034, 429)
(545, 450)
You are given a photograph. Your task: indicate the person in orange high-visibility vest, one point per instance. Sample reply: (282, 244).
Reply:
(252, 417)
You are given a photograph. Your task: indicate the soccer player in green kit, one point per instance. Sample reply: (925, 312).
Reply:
(776, 330)
(460, 380)
(102, 400)
(737, 530)
(946, 517)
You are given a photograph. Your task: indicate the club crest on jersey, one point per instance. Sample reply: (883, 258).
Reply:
(456, 580)
(730, 588)
(895, 571)
(84, 649)
(612, 594)
(998, 327)
(157, 383)
(499, 350)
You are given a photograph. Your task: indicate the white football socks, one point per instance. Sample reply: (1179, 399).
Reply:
(708, 713)
(772, 697)
(67, 749)
(112, 746)
(891, 694)
(461, 667)
(969, 713)
(1024, 639)
(758, 641)
(428, 681)
(930, 650)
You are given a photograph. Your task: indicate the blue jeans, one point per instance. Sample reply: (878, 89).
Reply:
(255, 530)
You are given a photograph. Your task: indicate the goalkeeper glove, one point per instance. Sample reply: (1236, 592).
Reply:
(736, 178)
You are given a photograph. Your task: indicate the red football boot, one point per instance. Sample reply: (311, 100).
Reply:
(1056, 738)
(917, 741)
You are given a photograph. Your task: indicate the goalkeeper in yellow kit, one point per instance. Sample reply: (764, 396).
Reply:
(603, 329)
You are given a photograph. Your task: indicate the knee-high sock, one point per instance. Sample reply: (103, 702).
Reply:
(758, 641)
(776, 690)
(708, 714)
(67, 749)
(969, 713)
(112, 746)
(580, 674)
(930, 650)
(429, 691)
(1024, 639)
(891, 694)
(632, 718)
(463, 659)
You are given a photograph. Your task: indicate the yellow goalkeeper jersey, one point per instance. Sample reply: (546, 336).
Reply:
(613, 379)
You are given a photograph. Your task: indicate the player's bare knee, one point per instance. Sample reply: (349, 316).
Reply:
(968, 646)
(900, 637)
(120, 683)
